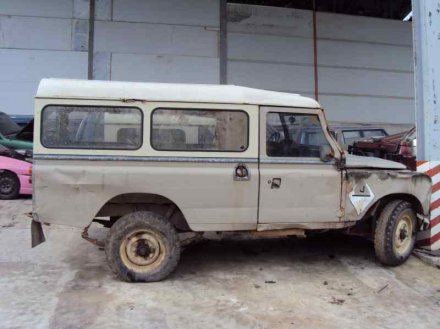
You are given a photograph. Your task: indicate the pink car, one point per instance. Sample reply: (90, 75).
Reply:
(15, 177)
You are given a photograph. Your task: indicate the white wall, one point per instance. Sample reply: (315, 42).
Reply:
(38, 39)
(365, 68)
(135, 40)
(365, 71)
(157, 40)
(270, 48)
(365, 64)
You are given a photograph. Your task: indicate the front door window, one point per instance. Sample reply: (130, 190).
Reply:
(294, 135)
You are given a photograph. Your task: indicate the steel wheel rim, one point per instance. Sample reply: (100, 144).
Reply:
(142, 250)
(403, 234)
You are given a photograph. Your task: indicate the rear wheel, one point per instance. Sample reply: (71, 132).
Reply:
(142, 247)
(395, 233)
(9, 186)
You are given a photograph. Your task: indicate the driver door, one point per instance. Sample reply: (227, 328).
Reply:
(296, 186)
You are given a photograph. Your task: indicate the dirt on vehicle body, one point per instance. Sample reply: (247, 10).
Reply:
(151, 161)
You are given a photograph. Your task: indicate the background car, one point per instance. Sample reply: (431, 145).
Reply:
(21, 119)
(13, 136)
(15, 174)
(346, 135)
(399, 147)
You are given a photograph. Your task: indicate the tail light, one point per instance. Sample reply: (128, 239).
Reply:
(407, 148)
(404, 149)
(30, 174)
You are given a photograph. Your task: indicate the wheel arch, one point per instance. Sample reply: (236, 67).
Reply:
(14, 174)
(367, 224)
(378, 206)
(124, 203)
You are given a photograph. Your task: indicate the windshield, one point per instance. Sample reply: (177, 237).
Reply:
(7, 126)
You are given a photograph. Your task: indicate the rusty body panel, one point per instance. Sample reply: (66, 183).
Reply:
(373, 185)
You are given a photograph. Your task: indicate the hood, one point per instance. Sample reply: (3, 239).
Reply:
(356, 161)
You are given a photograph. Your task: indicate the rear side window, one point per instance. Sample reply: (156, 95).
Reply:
(91, 127)
(199, 130)
(351, 136)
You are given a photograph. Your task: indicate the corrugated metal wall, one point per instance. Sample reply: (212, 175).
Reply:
(365, 64)
(270, 48)
(39, 39)
(157, 40)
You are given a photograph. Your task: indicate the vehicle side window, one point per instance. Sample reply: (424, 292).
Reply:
(351, 136)
(294, 135)
(374, 133)
(199, 130)
(91, 127)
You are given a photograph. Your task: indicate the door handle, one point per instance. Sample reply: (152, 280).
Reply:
(241, 172)
(275, 183)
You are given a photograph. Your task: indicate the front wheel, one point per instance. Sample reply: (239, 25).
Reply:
(395, 233)
(142, 247)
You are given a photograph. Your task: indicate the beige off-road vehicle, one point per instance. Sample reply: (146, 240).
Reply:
(152, 161)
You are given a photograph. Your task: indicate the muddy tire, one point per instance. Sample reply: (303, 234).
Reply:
(142, 247)
(9, 186)
(395, 233)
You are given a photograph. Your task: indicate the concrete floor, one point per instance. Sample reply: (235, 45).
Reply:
(322, 282)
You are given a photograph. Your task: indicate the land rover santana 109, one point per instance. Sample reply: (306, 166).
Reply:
(152, 161)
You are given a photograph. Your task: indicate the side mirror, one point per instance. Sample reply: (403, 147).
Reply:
(325, 153)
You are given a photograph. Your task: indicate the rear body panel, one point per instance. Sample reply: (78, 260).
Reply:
(71, 192)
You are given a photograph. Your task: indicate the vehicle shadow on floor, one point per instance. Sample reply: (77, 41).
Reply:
(238, 254)
(233, 253)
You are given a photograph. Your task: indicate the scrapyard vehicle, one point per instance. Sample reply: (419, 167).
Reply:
(399, 147)
(15, 174)
(346, 135)
(151, 161)
(13, 136)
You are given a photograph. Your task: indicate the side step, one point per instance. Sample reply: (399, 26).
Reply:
(280, 233)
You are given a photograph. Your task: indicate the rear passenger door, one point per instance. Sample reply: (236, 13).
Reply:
(296, 186)
(208, 157)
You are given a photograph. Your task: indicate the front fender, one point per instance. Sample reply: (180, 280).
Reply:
(365, 187)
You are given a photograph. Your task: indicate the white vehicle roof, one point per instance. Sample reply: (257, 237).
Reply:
(168, 92)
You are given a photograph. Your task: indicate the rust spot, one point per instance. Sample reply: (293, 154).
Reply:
(132, 100)
(358, 175)
(85, 236)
